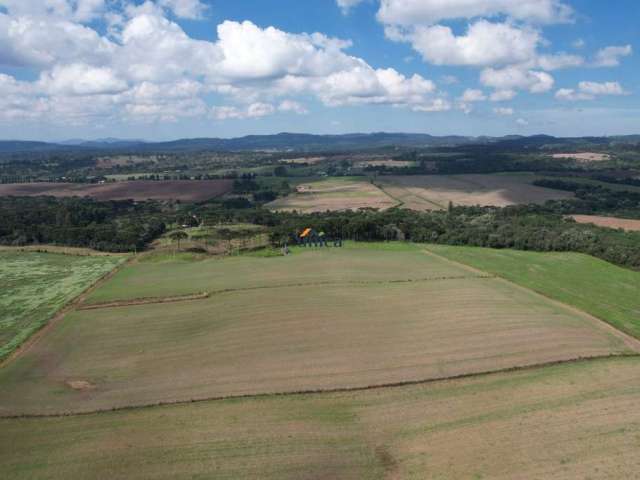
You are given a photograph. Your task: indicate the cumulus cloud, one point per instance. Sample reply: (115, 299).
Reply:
(484, 44)
(503, 111)
(292, 106)
(191, 9)
(255, 110)
(80, 79)
(147, 67)
(589, 91)
(347, 5)
(414, 12)
(610, 56)
(517, 78)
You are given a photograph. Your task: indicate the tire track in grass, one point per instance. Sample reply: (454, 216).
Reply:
(205, 295)
(323, 391)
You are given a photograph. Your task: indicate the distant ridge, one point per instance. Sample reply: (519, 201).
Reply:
(309, 142)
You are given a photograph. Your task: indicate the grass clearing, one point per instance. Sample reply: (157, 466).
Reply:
(604, 290)
(323, 319)
(343, 193)
(434, 192)
(34, 286)
(564, 422)
(161, 276)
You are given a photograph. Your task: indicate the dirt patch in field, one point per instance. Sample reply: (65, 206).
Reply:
(80, 385)
(584, 156)
(187, 190)
(334, 195)
(610, 222)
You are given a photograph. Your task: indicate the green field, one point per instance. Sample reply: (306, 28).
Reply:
(353, 263)
(575, 421)
(34, 286)
(316, 320)
(604, 290)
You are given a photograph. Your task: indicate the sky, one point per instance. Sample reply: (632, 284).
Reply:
(168, 69)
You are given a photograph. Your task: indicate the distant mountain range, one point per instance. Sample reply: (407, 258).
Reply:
(308, 142)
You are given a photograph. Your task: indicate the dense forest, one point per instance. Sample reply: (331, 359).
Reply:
(116, 226)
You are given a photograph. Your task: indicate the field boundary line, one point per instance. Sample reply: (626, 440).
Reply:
(72, 304)
(325, 391)
(630, 341)
(205, 295)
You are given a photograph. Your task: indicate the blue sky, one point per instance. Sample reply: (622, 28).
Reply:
(167, 69)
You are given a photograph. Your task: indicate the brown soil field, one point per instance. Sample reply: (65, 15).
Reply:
(584, 156)
(303, 160)
(187, 190)
(385, 163)
(297, 338)
(433, 192)
(611, 222)
(572, 421)
(334, 194)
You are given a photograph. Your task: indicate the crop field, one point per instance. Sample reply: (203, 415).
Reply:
(434, 192)
(334, 194)
(183, 190)
(610, 222)
(563, 422)
(403, 316)
(584, 156)
(604, 290)
(34, 286)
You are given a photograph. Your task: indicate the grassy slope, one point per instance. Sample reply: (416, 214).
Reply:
(604, 290)
(581, 421)
(33, 286)
(299, 337)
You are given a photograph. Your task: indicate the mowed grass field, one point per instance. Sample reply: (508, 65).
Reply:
(434, 192)
(34, 286)
(604, 290)
(316, 320)
(346, 193)
(573, 421)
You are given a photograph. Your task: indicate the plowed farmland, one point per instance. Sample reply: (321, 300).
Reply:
(334, 194)
(428, 319)
(572, 421)
(186, 190)
(434, 192)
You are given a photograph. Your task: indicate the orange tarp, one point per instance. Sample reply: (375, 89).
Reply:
(306, 232)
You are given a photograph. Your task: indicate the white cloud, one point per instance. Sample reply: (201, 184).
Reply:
(503, 95)
(484, 44)
(504, 112)
(347, 5)
(610, 56)
(255, 110)
(414, 12)
(558, 61)
(190, 9)
(81, 79)
(522, 122)
(517, 78)
(472, 95)
(578, 43)
(589, 91)
(292, 106)
(606, 88)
